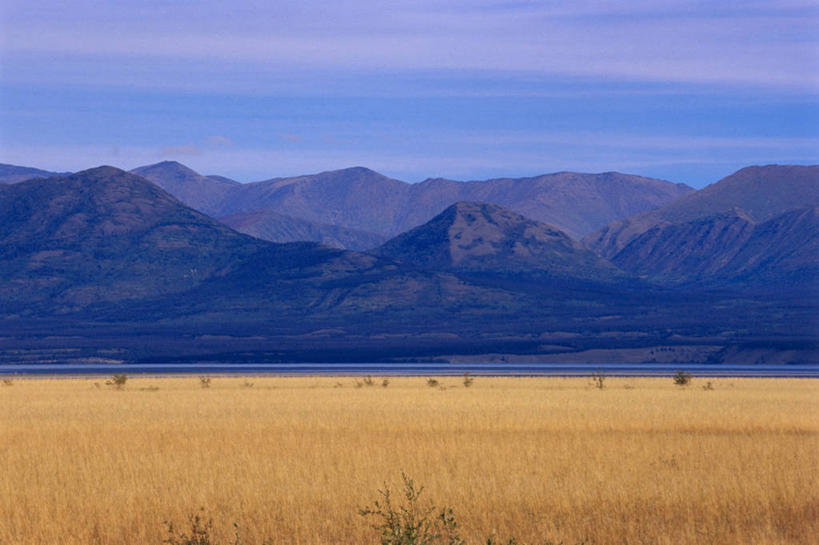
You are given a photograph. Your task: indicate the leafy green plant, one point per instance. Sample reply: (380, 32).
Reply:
(413, 522)
(682, 378)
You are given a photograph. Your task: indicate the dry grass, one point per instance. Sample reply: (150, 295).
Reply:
(642, 461)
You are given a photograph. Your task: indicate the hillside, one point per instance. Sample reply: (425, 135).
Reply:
(274, 227)
(728, 248)
(758, 193)
(104, 234)
(470, 236)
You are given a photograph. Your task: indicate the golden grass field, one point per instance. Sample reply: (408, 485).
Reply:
(641, 462)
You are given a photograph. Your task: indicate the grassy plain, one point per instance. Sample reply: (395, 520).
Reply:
(641, 461)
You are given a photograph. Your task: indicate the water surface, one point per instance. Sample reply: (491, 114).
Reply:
(418, 369)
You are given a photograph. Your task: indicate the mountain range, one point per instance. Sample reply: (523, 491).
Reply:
(365, 201)
(11, 174)
(124, 265)
(757, 224)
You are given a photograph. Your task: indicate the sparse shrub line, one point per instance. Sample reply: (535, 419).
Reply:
(408, 521)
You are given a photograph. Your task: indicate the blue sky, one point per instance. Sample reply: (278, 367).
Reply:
(686, 91)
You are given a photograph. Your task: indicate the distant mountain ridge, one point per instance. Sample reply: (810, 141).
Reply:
(481, 237)
(759, 192)
(757, 225)
(275, 227)
(201, 193)
(728, 247)
(363, 200)
(11, 174)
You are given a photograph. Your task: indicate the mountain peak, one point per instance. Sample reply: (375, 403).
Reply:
(359, 170)
(100, 172)
(477, 236)
(168, 168)
(105, 233)
(200, 192)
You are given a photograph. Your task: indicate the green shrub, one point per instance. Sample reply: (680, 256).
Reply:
(411, 522)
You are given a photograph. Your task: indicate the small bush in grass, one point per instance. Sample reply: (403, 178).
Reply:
(204, 382)
(368, 381)
(8, 382)
(247, 384)
(117, 381)
(708, 386)
(200, 532)
(682, 378)
(412, 522)
(599, 379)
(468, 379)
(432, 383)
(385, 382)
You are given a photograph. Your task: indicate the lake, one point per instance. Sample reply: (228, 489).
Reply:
(417, 369)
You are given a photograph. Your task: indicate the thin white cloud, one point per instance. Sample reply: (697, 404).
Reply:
(772, 44)
(219, 141)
